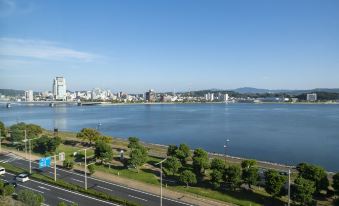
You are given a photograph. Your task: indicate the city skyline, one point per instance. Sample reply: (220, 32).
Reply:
(169, 46)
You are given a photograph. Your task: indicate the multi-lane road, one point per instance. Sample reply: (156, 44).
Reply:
(121, 191)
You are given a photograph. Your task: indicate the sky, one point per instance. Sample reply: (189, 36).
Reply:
(169, 45)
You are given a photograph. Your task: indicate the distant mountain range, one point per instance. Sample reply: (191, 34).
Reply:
(251, 90)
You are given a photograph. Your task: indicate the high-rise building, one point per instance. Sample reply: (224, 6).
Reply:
(312, 97)
(59, 88)
(150, 96)
(29, 95)
(209, 97)
(224, 97)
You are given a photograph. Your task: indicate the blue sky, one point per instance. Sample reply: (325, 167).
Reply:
(169, 45)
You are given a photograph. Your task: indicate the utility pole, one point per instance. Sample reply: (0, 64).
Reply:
(0, 140)
(55, 165)
(30, 158)
(161, 179)
(25, 144)
(85, 169)
(289, 187)
(225, 148)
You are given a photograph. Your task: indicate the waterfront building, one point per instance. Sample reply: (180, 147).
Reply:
(29, 96)
(209, 97)
(312, 97)
(224, 97)
(150, 96)
(59, 88)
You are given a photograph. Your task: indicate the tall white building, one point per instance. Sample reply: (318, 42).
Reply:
(29, 95)
(59, 88)
(224, 97)
(209, 96)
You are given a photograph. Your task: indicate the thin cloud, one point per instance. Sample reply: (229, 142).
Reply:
(14, 7)
(39, 49)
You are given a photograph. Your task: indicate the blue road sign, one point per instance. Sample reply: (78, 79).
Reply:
(45, 162)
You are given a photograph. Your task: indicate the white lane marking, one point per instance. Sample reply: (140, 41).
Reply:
(65, 200)
(132, 189)
(43, 204)
(53, 173)
(44, 188)
(31, 188)
(104, 188)
(69, 191)
(77, 180)
(139, 198)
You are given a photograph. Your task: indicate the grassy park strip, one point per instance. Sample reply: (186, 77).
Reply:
(16, 170)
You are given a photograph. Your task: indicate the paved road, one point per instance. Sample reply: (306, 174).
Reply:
(53, 195)
(121, 191)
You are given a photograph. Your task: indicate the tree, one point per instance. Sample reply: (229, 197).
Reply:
(62, 204)
(232, 177)
(188, 177)
(183, 153)
(18, 131)
(314, 173)
(138, 157)
(249, 172)
(6, 190)
(88, 134)
(65, 204)
(217, 164)
(336, 183)
(91, 169)
(248, 163)
(171, 150)
(134, 142)
(106, 139)
(29, 198)
(274, 183)
(216, 178)
(3, 129)
(103, 151)
(46, 144)
(68, 163)
(200, 161)
(302, 191)
(172, 164)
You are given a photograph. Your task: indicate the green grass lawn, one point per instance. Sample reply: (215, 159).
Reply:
(69, 150)
(142, 176)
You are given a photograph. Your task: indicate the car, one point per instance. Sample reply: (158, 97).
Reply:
(2, 171)
(23, 177)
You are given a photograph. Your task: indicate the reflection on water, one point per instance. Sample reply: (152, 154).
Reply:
(272, 132)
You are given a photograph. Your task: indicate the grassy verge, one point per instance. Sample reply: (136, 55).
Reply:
(69, 186)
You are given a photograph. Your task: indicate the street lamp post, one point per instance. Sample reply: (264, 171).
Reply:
(225, 148)
(0, 140)
(98, 126)
(25, 144)
(30, 152)
(289, 187)
(161, 179)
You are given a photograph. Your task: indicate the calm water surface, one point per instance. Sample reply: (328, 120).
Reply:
(272, 132)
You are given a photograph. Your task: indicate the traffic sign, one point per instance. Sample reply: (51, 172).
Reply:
(45, 162)
(61, 156)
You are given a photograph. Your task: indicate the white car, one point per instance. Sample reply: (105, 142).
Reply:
(2, 171)
(23, 177)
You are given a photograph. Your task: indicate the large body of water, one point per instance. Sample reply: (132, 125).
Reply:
(280, 133)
